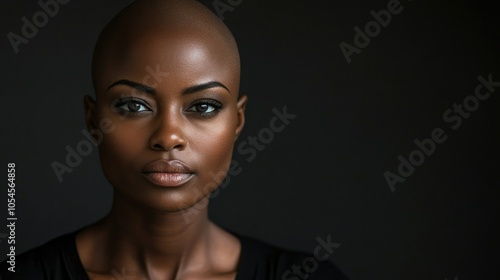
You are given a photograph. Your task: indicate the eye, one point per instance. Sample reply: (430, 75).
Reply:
(131, 105)
(205, 108)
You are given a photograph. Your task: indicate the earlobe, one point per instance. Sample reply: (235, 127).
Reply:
(90, 113)
(241, 105)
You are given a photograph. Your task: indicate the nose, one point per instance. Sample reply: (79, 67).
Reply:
(168, 134)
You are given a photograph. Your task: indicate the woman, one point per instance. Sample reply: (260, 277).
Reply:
(166, 76)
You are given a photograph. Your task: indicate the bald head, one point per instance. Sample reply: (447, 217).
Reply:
(149, 36)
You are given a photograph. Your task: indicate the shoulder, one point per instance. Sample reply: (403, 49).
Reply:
(262, 260)
(48, 261)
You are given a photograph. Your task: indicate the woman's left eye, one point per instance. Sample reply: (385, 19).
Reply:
(203, 108)
(206, 108)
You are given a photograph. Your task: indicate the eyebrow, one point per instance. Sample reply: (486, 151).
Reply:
(188, 90)
(137, 86)
(204, 86)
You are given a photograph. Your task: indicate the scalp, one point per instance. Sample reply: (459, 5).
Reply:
(149, 19)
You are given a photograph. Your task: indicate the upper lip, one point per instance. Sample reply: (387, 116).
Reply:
(166, 166)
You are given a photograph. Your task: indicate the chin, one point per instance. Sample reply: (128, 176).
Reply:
(165, 199)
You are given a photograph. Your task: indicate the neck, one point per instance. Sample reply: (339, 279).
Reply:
(151, 241)
(165, 233)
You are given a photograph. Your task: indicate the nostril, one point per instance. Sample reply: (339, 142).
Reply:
(168, 146)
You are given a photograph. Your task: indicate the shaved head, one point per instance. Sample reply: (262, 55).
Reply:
(151, 33)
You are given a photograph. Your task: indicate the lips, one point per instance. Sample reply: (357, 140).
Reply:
(167, 173)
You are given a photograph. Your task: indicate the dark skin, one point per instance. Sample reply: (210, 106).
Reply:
(189, 112)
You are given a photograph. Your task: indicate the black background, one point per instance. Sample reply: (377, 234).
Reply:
(323, 174)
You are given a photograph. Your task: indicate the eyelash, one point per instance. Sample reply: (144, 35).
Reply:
(211, 102)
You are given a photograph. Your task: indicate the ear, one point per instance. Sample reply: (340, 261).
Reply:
(240, 106)
(90, 113)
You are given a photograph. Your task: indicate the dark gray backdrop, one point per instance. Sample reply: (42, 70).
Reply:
(324, 173)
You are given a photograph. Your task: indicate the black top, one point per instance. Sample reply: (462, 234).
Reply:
(58, 260)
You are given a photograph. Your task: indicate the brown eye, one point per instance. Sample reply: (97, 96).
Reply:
(131, 106)
(204, 108)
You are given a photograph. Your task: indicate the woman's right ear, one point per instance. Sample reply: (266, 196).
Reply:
(90, 113)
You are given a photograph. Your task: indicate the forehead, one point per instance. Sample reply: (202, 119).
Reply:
(179, 51)
(180, 57)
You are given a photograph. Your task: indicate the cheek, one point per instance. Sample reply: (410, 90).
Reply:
(125, 138)
(213, 146)
(121, 149)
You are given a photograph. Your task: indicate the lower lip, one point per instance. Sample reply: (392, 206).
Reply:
(168, 179)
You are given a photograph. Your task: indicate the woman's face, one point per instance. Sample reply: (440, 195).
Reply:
(174, 108)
